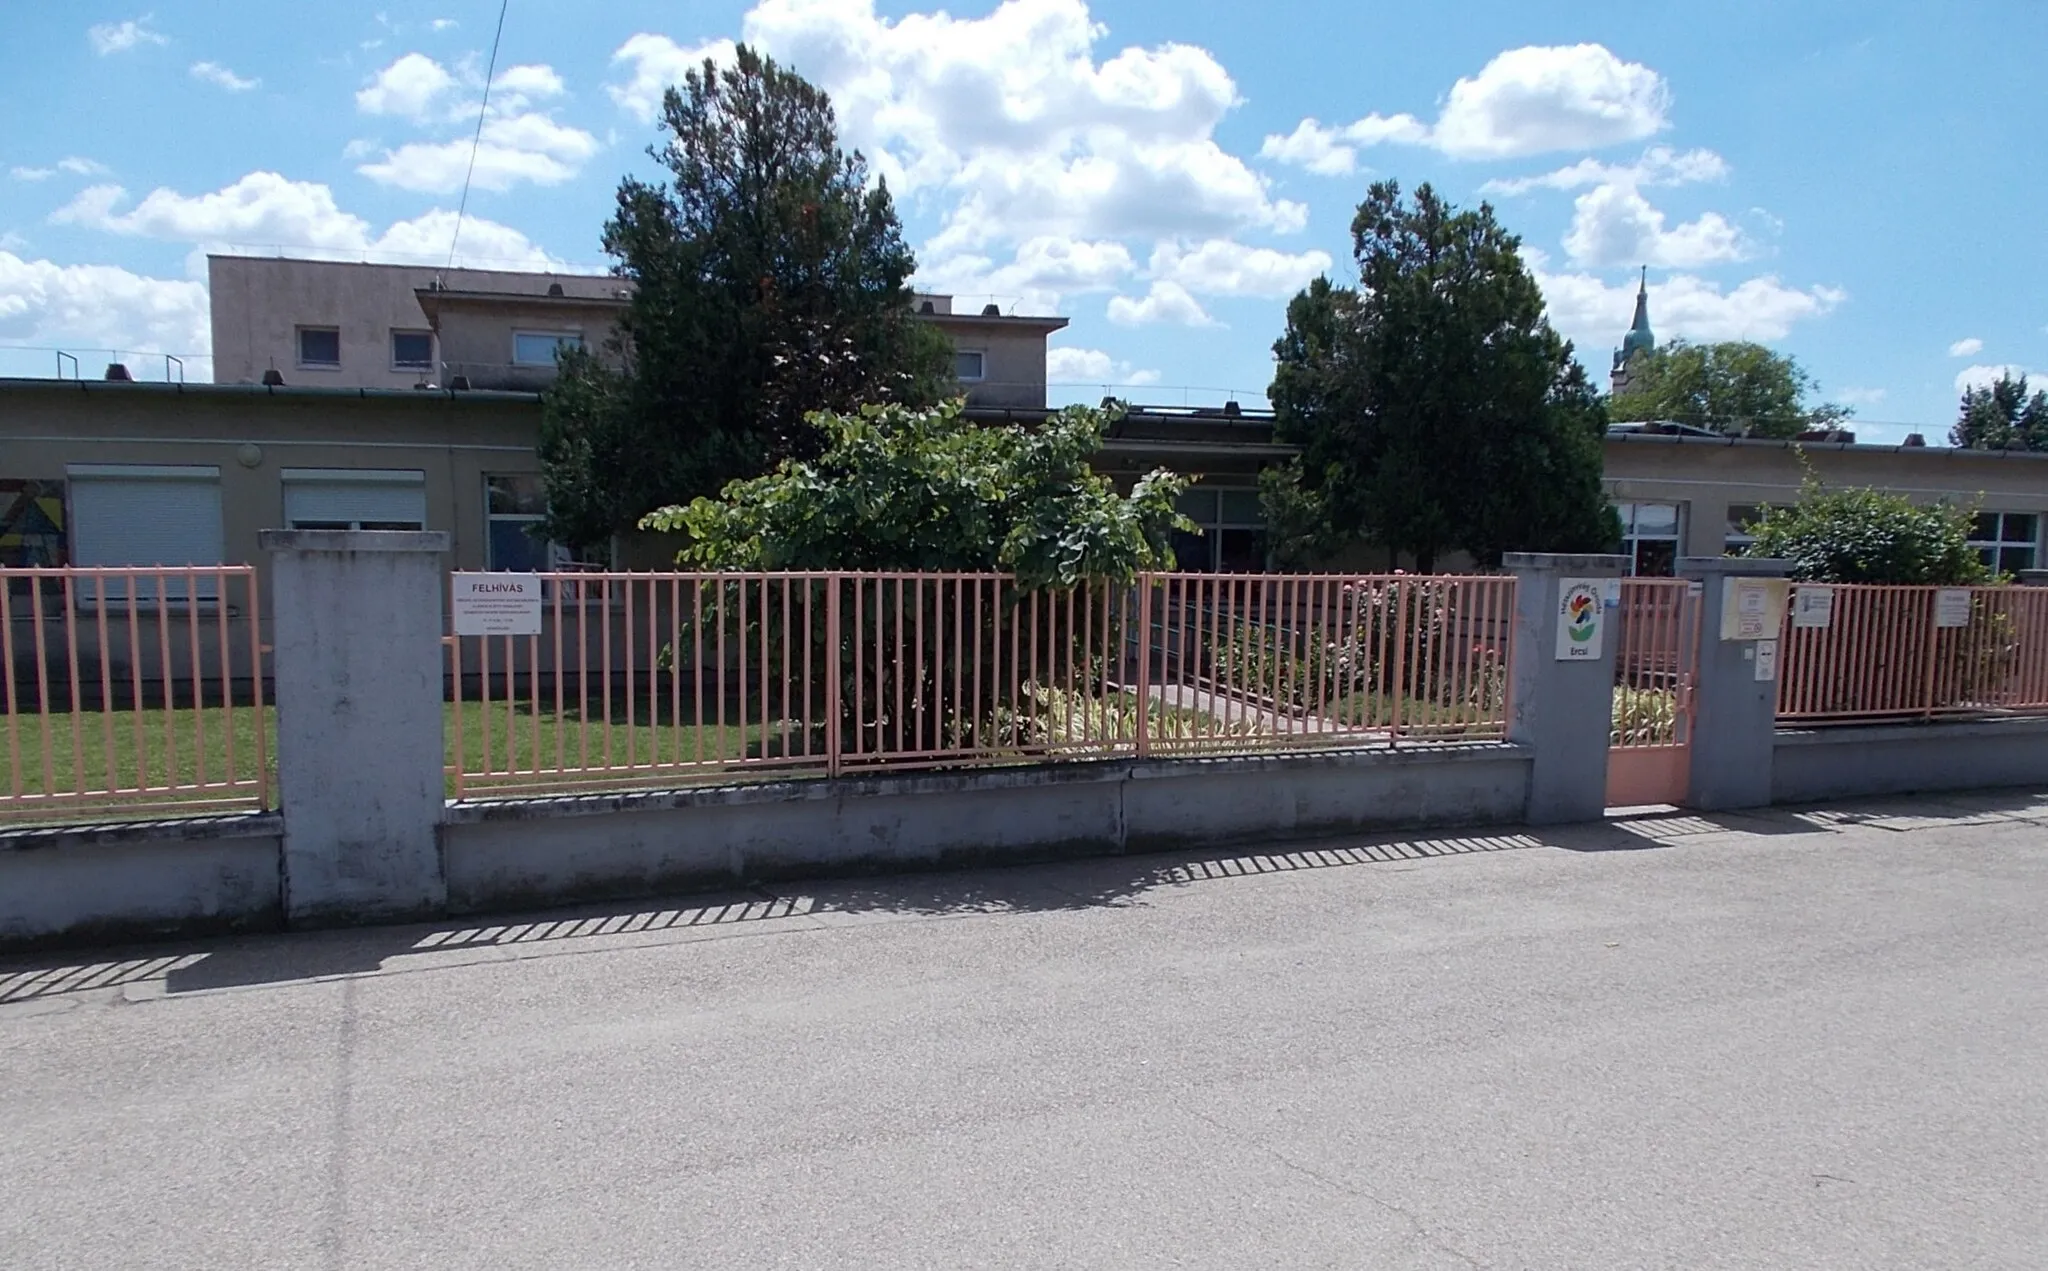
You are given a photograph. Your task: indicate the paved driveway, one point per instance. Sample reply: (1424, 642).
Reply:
(1815, 1040)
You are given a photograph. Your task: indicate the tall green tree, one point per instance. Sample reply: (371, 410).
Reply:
(2002, 416)
(1736, 386)
(769, 281)
(1435, 407)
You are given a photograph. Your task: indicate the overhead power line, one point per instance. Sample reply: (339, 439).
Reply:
(476, 142)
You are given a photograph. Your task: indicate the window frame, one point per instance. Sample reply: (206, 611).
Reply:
(1214, 522)
(299, 334)
(1994, 551)
(425, 365)
(387, 478)
(1632, 540)
(132, 592)
(980, 376)
(559, 337)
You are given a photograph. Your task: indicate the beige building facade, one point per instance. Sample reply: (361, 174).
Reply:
(334, 324)
(1696, 496)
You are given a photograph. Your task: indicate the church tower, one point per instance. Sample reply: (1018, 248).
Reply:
(1638, 340)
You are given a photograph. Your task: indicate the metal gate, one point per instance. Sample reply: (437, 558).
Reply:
(1656, 667)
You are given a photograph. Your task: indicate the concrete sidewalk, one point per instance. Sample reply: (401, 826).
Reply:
(1790, 1039)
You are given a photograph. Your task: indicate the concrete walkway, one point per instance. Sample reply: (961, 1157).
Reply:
(1789, 1040)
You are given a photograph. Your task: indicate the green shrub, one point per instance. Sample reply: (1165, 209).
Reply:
(1871, 536)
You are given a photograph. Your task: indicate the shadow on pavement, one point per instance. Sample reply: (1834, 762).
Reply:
(1086, 883)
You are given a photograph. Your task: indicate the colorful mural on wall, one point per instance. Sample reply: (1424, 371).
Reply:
(32, 523)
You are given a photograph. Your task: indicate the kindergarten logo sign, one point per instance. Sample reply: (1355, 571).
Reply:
(1579, 620)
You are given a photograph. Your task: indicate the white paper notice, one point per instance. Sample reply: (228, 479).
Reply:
(1813, 608)
(1952, 607)
(1766, 661)
(497, 604)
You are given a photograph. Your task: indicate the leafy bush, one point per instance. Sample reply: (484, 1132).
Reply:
(1871, 536)
(1644, 717)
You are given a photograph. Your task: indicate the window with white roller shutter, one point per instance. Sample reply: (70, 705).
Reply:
(354, 499)
(145, 514)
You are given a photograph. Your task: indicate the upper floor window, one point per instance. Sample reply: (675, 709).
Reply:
(538, 348)
(1649, 538)
(320, 347)
(412, 350)
(970, 365)
(2007, 541)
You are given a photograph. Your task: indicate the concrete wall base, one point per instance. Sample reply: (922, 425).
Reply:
(1812, 765)
(539, 852)
(74, 885)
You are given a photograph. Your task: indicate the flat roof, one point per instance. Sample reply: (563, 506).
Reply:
(209, 389)
(1850, 447)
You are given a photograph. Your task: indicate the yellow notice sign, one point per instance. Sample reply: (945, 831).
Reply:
(1752, 608)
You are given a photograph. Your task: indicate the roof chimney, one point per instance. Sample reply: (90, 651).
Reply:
(118, 371)
(554, 289)
(991, 311)
(1915, 440)
(1232, 408)
(460, 383)
(273, 378)
(926, 307)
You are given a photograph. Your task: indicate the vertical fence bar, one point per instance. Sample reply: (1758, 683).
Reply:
(227, 679)
(77, 698)
(834, 743)
(1143, 741)
(13, 693)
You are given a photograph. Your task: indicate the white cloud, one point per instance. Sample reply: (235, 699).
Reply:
(1537, 100)
(1985, 376)
(119, 37)
(1092, 366)
(526, 82)
(656, 63)
(31, 174)
(100, 307)
(1009, 117)
(216, 74)
(83, 167)
(1166, 302)
(1616, 225)
(1593, 314)
(516, 144)
(512, 149)
(1220, 267)
(264, 211)
(1525, 101)
(1969, 347)
(444, 24)
(1659, 165)
(359, 148)
(1858, 396)
(410, 87)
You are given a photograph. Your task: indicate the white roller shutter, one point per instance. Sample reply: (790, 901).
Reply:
(144, 515)
(350, 497)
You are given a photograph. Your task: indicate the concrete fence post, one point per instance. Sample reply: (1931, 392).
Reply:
(1561, 694)
(358, 658)
(1735, 700)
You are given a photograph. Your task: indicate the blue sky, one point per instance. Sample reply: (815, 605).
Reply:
(1852, 183)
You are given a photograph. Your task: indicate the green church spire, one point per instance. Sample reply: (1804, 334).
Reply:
(1639, 339)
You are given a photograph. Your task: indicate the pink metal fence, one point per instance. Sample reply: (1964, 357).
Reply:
(663, 679)
(1894, 653)
(132, 690)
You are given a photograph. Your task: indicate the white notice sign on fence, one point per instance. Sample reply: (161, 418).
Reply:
(1952, 607)
(497, 604)
(1813, 608)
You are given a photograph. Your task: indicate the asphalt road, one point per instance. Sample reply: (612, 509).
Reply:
(1800, 1041)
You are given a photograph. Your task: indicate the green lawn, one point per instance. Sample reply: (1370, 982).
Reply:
(181, 747)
